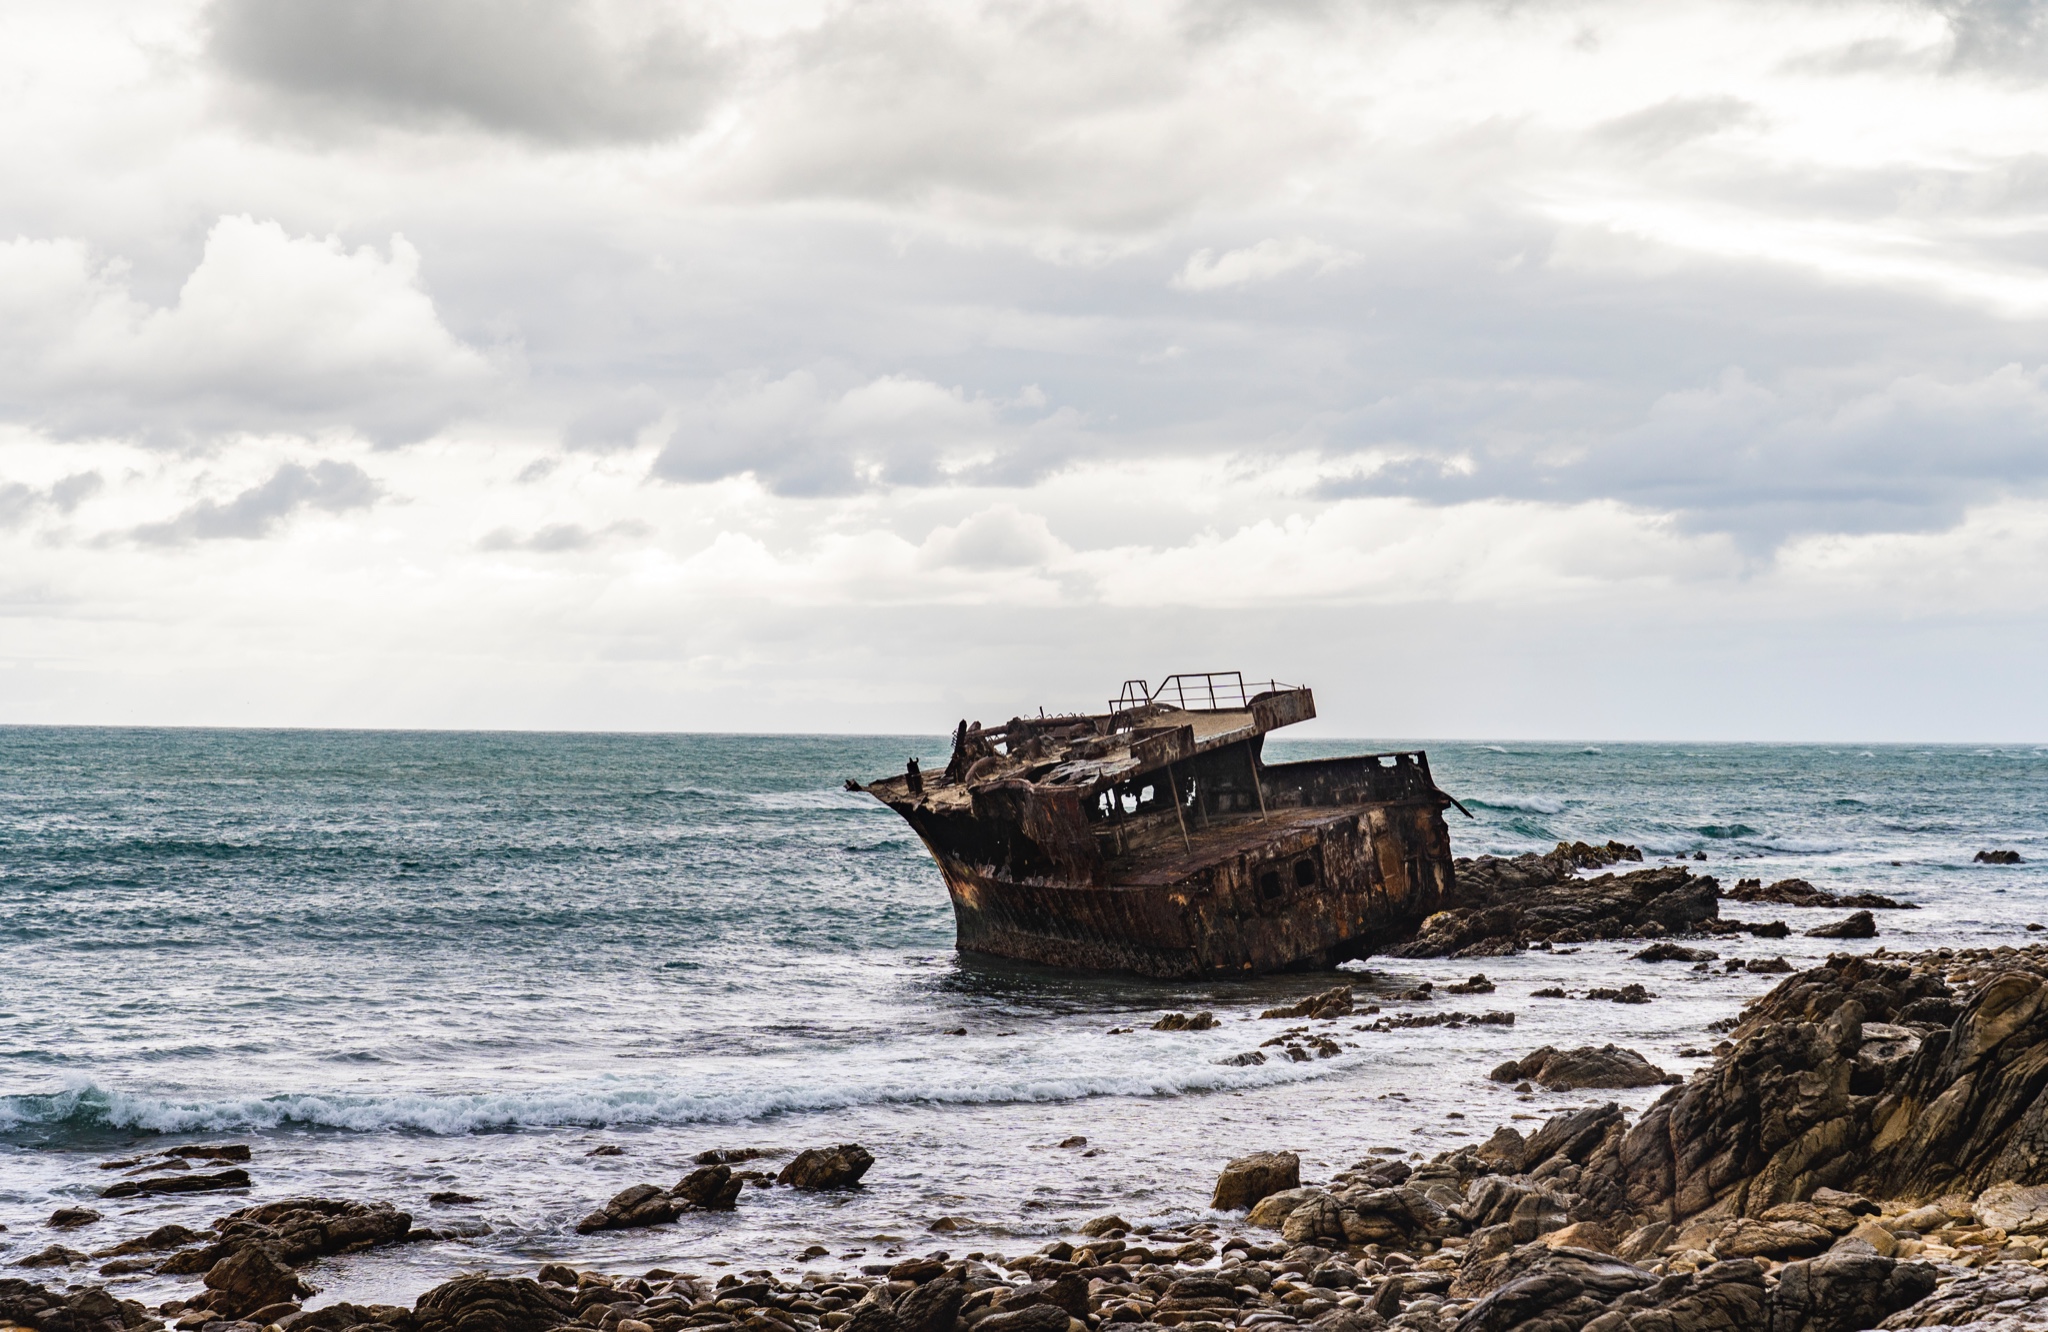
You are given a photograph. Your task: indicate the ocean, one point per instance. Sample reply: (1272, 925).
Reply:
(406, 964)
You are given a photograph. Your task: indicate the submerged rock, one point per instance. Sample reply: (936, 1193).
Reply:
(1334, 1003)
(196, 1183)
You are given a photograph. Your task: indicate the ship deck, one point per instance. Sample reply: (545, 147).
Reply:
(1211, 846)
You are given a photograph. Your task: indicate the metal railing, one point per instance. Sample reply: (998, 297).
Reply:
(1194, 691)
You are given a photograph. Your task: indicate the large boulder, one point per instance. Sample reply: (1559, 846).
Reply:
(252, 1278)
(838, 1167)
(1607, 1066)
(1248, 1179)
(1504, 905)
(90, 1309)
(1846, 1290)
(491, 1304)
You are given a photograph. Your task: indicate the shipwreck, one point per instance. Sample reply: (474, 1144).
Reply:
(1154, 838)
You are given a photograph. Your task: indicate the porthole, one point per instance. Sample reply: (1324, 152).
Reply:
(1304, 873)
(1269, 885)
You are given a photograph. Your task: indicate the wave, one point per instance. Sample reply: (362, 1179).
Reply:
(1725, 830)
(89, 1109)
(1518, 804)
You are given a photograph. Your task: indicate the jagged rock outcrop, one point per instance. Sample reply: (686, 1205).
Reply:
(1249, 1179)
(92, 1309)
(1503, 906)
(491, 1304)
(1603, 1067)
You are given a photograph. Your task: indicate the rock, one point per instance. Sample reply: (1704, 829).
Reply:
(728, 1155)
(1183, 1022)
(71, 1218)
(1845, 1291)
(2014, 1208)
(1249, 1057)
(23, 1304)
(451, 1199)
(251, 1279)
(1271, 1211)
(195, 1183)
(1776, 966)
(491, 1304)
(1609, 1066)
(1478, 984)
(54, 1256)
(1580, 1235)
(1997, 858)
(932, 1307)
(558, 1274)
(1500, 906)
(1248, 1179)
(641, 1205)
(1035, 1318)
(1772, 1239)
(2002, 1298)
(1671, 952)
(1329, 1004)
(302, 1229)
(1104, 1225)
(872, 1316)
(163, 1237)
(231, 1151)
(1861, 925)
(838, 1167)
(713, 1188)
(1627, 994)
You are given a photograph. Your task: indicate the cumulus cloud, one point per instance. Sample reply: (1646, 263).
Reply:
(328, 486)
(19, 502)
(269, 331)
(560, 71)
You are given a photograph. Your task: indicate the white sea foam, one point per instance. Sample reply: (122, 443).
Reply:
(89, 1106)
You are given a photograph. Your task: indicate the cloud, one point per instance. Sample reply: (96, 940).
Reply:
(558, 71)
(19, 502)
(269, 331)
(1207, 271)
(998, 537)
(1680, 120)
(2005, 36)
(328, 486)
(800, 437)
(557, 538)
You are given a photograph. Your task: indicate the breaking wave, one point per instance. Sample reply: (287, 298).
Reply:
(89, 1109)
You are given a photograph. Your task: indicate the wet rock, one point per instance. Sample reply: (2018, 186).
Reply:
(1774, 966)
(1476, 985)
(1334, 1003)
(1861, 925)
(2002, 1298)
(231, 1151)
(1104, 1225)
(1800, 893)
(451, 1199)
(712, 1188)
(251, 1279)
(1671, 952)
(1035, 1318)
(932, 1307)
(54, 1256)
(23, 1304)
(1627, 994)
(827, 1167)
(1501, 906)
(1184, 1022)
(193, 1183)
(633, 1208)
(728, 1155)
(1248, 1058)
(1997, 858)
(1846, 1290)
(299, 1230)
(491, 1304)
(71, 1218)
(1248, 1179)
(1608, 1066)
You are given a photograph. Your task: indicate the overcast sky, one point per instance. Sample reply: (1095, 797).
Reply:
(1498, 369)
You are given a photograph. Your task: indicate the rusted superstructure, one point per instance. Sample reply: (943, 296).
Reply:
(1154, 838)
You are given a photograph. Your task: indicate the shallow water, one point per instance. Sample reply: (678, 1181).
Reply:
(399, 964)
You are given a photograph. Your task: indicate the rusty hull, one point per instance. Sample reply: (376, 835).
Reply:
(1162, 844)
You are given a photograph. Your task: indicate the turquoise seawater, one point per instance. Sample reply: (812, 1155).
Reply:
(403, 963)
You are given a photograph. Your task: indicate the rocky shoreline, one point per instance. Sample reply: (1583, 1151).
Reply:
(1868, 1148)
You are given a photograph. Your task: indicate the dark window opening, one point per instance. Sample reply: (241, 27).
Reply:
(1304, 873)
(1269, 885)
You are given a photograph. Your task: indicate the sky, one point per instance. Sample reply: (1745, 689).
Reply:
(1498, 369)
